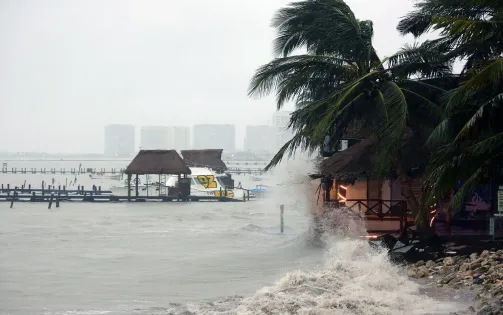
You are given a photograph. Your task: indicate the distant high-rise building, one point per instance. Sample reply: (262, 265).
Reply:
(214, 137)
(119, 140)
(181, 137)
(281, 120)
(156, 138)
(261, 139)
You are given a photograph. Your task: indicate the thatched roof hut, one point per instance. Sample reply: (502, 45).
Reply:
(157, 162)
(359, 160)
(211, 158)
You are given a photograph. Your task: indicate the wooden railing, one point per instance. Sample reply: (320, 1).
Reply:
(376, 209)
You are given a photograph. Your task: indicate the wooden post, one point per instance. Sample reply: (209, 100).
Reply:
(220, 194)
(43, 186)
(14, 195)
(50, 200)
(248, 193)
(128, 187)
(57, 197)
(282, 221)
(8, 187)
(136, 185)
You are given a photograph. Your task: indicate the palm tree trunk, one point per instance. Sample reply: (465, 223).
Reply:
(406, 183)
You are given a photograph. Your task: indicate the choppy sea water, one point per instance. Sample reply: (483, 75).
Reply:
(193, 258)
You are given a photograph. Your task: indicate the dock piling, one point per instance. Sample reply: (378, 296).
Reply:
(50, 200)
(57, 197)
(14, 195)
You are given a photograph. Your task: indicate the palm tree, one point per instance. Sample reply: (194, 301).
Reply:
(338, 50)
(340, 82)
(470, 138)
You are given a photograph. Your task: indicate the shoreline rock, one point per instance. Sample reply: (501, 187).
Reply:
(482, 273)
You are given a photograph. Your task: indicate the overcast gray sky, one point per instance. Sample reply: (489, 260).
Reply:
(69, 67)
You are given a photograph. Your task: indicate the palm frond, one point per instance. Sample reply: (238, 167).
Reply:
(389, 132)
(466, 189)
(299, 141)
(320, 26)
(293, 76)
(490, 75)
(433, 111)
(481, 117)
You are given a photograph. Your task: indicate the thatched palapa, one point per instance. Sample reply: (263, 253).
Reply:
(359, 160)
(157, 162)
(211, 158)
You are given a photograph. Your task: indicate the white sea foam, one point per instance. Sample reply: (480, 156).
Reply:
(355, 279)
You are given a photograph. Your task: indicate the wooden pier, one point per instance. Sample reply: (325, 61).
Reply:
(96, 194)
(103, 171)
(15, 197)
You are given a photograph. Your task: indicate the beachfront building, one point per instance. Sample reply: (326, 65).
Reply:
(347, 182)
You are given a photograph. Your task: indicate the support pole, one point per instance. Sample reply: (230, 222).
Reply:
(128, 187)
(50, 200)
(136, 185)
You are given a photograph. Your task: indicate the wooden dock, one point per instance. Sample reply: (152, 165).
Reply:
(103, 171)
(15, 197)
(96, 194)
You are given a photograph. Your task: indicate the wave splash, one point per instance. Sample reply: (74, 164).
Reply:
(355, 278)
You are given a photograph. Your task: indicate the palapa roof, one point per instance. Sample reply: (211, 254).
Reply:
(359, 160)
(157, 162)
(211, 158)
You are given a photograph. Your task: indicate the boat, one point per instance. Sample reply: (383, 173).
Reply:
(203, 182)
(105, 176)
(259, 190)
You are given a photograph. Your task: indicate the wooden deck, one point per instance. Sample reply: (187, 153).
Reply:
(391, 216)
(382, 216)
